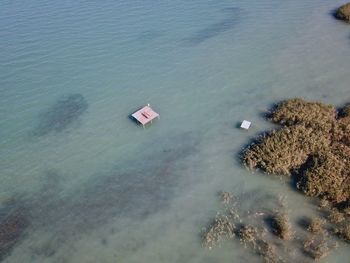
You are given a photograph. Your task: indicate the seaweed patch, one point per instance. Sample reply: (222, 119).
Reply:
(281, 226)
(313, 146)
(13, 223)
(62, 114)
(133, 193)
(249, 228)
(215, 29)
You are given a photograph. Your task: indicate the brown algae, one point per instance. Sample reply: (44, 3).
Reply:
(313, 143)
(316, 247)
(344, 232)
(248, 235)
(222, 228)
(343, 13)
(281, 226)
(335, 216)
(284, 150)
(299, 111)
(316, 226)
(226, 197)
(313, 146)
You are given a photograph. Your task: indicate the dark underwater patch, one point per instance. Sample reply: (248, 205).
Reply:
(65, 112)
(234, 16)
(135, 192)
(13, 223)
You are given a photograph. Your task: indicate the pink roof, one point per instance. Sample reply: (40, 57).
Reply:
(145, 115)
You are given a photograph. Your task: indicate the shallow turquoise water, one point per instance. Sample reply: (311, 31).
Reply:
(102, 189)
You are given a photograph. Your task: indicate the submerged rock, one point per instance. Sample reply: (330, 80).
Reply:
(343, 13)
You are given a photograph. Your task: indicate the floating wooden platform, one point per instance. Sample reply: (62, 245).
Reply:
(145, 115)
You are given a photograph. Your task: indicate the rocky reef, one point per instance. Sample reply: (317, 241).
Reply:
(343, 13)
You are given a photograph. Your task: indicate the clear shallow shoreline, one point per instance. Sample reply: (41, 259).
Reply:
(120, 56)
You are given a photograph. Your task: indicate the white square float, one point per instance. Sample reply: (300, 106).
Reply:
(245, 124)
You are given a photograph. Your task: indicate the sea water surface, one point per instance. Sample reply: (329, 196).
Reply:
(81, 182)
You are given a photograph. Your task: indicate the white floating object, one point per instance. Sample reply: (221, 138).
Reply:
(245, 124)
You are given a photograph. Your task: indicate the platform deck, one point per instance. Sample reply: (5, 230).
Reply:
(145, 115)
